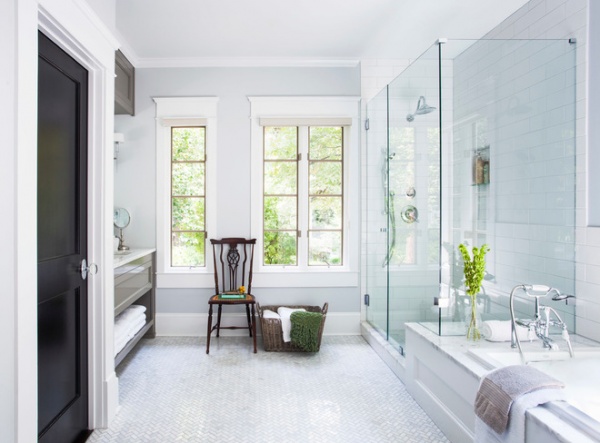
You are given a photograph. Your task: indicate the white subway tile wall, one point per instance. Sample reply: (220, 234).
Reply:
(568, 19)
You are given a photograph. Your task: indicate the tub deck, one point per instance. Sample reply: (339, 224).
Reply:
(443, 374)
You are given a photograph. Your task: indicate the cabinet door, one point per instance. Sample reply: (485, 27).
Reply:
(124, 85)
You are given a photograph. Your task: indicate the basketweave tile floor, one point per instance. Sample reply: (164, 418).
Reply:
(171, 391)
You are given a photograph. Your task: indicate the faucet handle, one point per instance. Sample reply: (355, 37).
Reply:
(525, 323)
(565, 297)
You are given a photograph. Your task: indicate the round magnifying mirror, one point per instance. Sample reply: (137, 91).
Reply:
(121, 218)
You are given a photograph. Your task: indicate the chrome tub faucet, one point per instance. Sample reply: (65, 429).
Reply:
(545, 317)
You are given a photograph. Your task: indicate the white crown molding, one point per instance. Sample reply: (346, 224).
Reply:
(229, 62)
(243, 62)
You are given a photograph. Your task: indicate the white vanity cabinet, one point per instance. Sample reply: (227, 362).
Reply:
(135, 285)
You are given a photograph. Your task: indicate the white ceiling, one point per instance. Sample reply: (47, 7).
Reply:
(285, 32)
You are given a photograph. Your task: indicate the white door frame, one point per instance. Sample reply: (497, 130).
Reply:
(96, 54)
(76, 29)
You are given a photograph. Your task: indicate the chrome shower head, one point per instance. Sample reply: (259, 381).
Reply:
(422, 109)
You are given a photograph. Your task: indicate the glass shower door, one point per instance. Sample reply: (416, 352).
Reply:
(414, 194)
(377, 213)
(403, 200)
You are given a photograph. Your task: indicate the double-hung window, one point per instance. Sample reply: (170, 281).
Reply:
(301, 193)
(186, 147)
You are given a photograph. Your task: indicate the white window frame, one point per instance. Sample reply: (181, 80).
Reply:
(172, 112)
(307, 111)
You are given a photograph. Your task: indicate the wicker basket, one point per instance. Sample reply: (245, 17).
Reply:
(271, 328)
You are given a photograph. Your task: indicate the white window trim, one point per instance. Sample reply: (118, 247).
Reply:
(174, 111)
(313, 110)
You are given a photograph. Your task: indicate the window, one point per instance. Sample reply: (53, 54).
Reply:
(302, 149)
(325, 195)
(186, 190)
(188, 199)
(289, 199)
(280, 196)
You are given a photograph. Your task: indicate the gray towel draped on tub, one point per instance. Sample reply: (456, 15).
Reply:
(501, 387)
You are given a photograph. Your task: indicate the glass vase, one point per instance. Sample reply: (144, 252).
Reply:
(473, 319)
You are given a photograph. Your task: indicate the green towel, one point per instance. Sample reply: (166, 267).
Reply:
(305, 330)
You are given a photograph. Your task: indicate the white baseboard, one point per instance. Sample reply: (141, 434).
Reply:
(112, 399)
(195, 324)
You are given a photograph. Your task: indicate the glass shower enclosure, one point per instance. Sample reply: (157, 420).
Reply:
(473, 143)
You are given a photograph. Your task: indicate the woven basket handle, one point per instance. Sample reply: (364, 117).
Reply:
(325, 307)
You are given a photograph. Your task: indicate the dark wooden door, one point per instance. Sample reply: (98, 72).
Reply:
(62, 245)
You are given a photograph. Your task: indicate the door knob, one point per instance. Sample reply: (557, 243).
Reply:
(92, 269)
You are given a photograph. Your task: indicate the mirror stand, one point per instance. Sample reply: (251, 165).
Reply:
(122, 246)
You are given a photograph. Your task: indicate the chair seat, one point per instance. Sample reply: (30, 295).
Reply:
(215, 300)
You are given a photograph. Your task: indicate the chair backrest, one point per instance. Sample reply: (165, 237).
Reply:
(233, 258)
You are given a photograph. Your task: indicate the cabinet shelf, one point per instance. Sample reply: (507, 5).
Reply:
(135, 284)
(134, 341)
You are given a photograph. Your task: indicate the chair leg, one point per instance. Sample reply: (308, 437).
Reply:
(219, 320)
(254, 328)
(248, 318)
(208, 332)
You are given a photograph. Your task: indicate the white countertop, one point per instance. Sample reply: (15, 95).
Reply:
(465, 352)
(120, 259)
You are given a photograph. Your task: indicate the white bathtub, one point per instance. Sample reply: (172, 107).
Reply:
(580, 374)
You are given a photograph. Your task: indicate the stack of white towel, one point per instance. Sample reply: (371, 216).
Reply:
(127, 324)
(283, 314)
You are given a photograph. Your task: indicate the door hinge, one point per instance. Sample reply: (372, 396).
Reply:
(366, 124)
(367, 299)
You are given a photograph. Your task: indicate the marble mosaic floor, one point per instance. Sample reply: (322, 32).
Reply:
(171, 391)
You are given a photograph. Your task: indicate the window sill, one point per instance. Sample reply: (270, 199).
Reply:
(306, 279)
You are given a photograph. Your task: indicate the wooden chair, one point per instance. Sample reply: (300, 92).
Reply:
(233, 259)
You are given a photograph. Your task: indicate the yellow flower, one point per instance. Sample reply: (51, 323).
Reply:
(242, 289)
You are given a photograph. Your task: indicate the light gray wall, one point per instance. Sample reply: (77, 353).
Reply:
(173, 301)
(135, 174)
